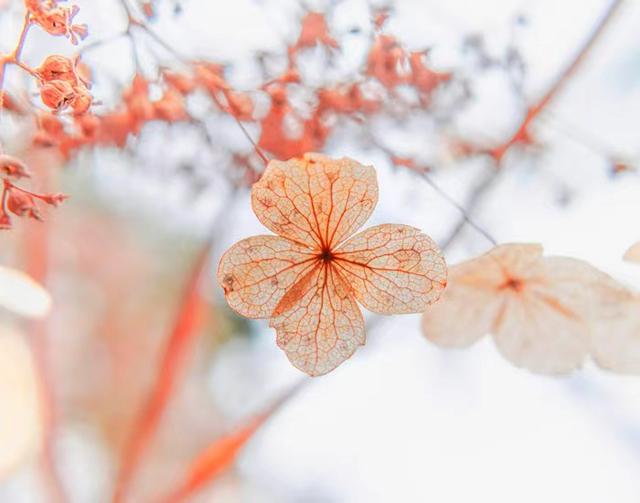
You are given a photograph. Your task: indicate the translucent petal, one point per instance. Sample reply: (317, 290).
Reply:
(545, 313)
(610, 310)
(256, 272)
(541, 335)
(473, 298)
(21, 418)
(579, 286)
(315, 200)
(616, 339)
(548, 326)
(515, 258)
(23, 295)
(392, 269)
(464, 314)
(318, 323)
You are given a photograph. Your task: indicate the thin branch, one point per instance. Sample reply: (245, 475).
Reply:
(463, 212)
(423, 172)
(486, 182)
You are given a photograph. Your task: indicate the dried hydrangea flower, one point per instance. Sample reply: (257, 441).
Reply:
(545, 314)
(309, 278)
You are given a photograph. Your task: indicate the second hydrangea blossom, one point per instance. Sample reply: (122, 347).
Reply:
(308, 278)
(546, 314)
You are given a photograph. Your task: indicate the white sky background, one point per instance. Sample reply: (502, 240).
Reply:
(403, 420)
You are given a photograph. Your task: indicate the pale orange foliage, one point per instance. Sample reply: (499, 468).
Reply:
(633, 253)
(546, 314)
(307, 278)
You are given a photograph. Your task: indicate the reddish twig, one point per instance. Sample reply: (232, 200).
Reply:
(218, 457)
(184, 329)
(522, 135)
(481, 189)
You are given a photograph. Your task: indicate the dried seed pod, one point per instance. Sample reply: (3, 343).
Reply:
(57, 67)
(81, 102)
(57, 94)
(22, 205)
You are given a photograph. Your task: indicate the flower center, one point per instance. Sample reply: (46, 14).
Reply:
(514, 284)
(326, 255)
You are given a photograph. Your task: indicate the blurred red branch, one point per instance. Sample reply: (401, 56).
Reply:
(37, 266)
(184, 329)
(218, 457)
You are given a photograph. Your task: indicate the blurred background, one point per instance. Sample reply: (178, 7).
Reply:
(426, 91)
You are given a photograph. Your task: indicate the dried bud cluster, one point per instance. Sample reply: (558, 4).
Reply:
(17, 201)
(56, 20)
(62, 86)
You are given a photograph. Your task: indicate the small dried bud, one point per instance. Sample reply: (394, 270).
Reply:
(82, 101)
(54, 199)
(57, 20)
(58, 68)
(11, 166)
(57, 94)
(22, 205)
